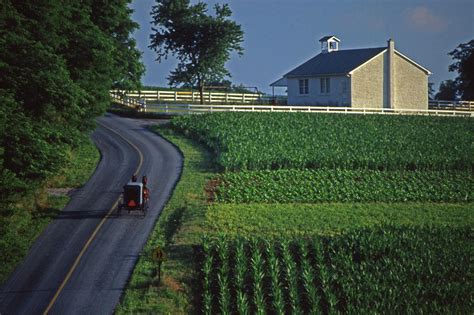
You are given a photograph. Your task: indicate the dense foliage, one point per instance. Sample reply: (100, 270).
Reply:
(339, 185)
(388, 269)
(256, 141)
(463, 57)
(59, 60)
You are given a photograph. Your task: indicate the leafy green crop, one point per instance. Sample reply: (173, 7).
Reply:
(285, 220)
(257, 141)
(388, 269)
(326, 185)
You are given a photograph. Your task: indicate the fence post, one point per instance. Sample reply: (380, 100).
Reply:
(158, 94)
(226, 97)
(243, 98)
(175, 96)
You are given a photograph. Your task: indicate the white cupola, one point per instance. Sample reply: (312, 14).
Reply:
(329, 43)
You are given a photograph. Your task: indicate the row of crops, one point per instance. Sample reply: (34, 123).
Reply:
(258, 141)
(404, 270)
(339, 185)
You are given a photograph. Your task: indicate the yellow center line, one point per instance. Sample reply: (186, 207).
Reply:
(93, 235)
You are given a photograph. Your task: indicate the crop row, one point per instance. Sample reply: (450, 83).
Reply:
(328, 185)
(366, 271)
(257, 141)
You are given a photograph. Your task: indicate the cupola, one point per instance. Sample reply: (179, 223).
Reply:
(329, 43)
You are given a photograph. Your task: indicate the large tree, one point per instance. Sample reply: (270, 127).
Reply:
(201, 42)
(447, 91)
(463, 57)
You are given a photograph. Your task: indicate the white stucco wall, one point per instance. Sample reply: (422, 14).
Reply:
(368, 85)
(410, 85)
(336, 97)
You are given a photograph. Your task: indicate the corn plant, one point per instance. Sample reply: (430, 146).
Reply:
(308, 278)
(242, 304)
(222, 248)
(291, 275)
(325, 278)
(256, 263)
(274, 272)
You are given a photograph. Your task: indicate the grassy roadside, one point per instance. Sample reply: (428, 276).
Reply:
(178, 230)
(37, 209)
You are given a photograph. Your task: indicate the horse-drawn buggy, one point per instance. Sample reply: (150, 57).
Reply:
(135, 196)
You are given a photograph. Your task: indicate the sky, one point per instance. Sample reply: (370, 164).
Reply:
(279, 35)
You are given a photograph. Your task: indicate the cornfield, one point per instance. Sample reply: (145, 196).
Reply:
(257, 141)
(388, 269)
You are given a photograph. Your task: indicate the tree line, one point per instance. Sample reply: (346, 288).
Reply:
(58, 61)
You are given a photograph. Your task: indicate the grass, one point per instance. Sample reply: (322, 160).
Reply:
(37, 209)
(178, 230)
(284, 220)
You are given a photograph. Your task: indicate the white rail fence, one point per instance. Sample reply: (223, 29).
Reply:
(451, 105)
(445, 108)
(190, 96)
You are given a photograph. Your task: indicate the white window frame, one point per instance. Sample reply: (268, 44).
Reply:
(325, 85)
(303, 86)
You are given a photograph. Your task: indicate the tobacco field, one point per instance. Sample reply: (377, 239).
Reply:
(404, 270)
(339, 185)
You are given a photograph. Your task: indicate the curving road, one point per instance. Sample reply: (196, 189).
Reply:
(83, 260)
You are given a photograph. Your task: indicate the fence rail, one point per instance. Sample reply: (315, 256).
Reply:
(181, 109)
(190, 96)
(452, 105)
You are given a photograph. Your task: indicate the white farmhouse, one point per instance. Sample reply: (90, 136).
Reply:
(361, 78)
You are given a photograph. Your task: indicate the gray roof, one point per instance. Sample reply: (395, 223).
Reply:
(335, 62)
(325, 38)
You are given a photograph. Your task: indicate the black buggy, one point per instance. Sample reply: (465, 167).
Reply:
(135, 196)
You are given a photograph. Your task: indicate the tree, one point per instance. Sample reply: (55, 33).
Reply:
(202, 43)
(464, 66)
(430, 90)
(447, 91)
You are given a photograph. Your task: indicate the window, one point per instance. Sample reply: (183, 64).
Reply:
(304, 86)
(333, 45)
(325, 85)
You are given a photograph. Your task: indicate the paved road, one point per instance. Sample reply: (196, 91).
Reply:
(96, 281)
